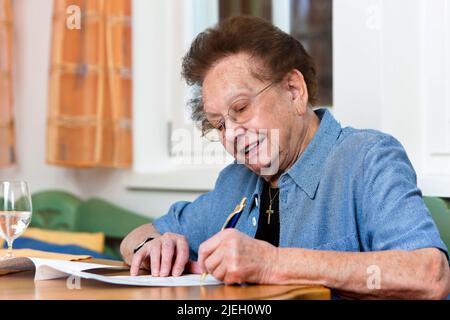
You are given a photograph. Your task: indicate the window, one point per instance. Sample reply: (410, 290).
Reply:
(310, 21)
(311, 24)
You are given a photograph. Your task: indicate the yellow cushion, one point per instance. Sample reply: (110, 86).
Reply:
(92, 241)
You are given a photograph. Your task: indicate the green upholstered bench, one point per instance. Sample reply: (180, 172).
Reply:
(58, 210)
(440, 211)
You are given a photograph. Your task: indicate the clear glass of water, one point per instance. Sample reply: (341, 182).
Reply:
(15, 212)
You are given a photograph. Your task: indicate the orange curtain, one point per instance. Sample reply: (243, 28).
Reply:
(7, 131)
(90, 102)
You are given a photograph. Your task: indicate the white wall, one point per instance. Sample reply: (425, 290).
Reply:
(32, 38)
(377, 68)
(382, 58)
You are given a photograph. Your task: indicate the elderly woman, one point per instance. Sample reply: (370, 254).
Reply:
(325, 204)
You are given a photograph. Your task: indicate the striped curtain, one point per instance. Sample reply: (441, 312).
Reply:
(90, 102)
(7, 131)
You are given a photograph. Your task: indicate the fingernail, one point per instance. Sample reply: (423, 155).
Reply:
(176, 272)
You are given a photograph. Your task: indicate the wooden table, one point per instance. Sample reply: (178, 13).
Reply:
(20, 286)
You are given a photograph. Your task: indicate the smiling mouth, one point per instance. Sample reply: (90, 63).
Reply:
(251, 147)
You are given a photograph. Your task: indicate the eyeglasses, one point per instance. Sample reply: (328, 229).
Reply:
(241, 111)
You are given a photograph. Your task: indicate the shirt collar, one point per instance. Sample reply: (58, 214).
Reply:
(307, 170)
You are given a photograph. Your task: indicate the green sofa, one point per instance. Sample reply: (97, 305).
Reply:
(57, 210)
(440, 211)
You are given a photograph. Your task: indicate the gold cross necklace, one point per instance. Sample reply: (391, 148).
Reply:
(269, 211)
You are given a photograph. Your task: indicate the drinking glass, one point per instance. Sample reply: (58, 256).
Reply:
(15, 212)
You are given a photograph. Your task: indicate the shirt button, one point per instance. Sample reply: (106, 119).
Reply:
(256, 202)
(254, 221)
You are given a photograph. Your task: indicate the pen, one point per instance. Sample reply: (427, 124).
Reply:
(231, 222)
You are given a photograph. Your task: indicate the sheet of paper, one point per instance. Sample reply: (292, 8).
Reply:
(149, 281)
(51, 269)
(47, 269)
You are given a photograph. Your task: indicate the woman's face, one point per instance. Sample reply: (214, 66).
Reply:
(267, 143)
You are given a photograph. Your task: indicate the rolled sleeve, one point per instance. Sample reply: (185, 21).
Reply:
(396, 216)
(188, 219)
(170, 222)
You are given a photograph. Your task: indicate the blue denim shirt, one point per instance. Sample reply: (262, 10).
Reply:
(351, 190)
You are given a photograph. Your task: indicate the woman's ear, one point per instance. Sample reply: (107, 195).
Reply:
(298, 90)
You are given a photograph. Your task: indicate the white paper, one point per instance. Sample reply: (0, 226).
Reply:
(149, 281)
(47, 269)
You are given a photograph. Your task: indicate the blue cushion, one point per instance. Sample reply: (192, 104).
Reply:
(29, 243)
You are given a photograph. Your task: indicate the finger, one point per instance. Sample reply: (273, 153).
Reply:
(182, 257)
(155, 257)
(137, 261)
(220, 272)
(214, 261)
(167, 253)
(210, 245)
(193, 267)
